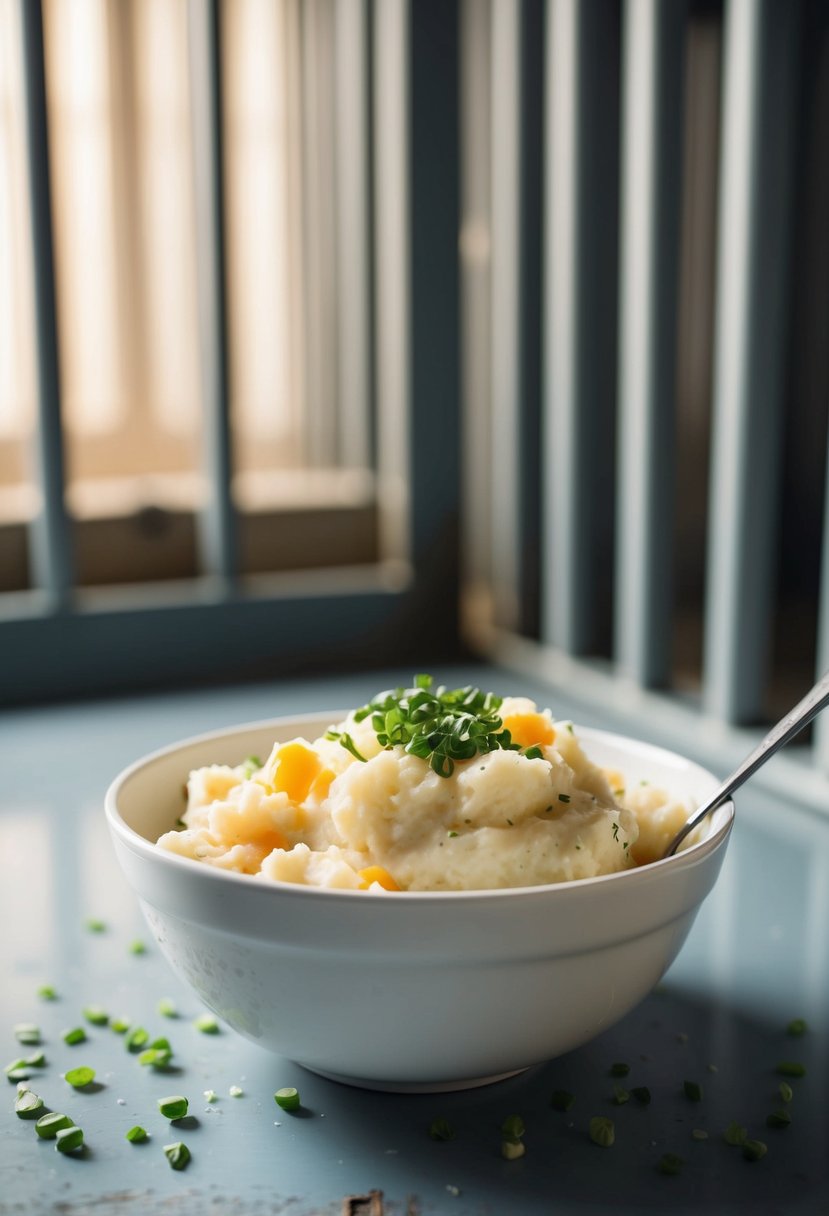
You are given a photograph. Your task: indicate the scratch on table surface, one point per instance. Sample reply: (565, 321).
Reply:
(370, 1204)
(185, 1203)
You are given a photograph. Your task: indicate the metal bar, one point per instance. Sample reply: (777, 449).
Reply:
(51, 548)
(218, 526)
(581, 189)
(756, 186)
(652, 105)
(353, 260)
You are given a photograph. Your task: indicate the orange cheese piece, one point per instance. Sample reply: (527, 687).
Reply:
(295, 770)
(530, 730)
(377, 874)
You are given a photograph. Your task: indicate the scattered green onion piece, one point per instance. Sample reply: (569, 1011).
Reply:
(48, 1126)
(27, 1033)
(69, 1139)
(441, 1129)
(177, 1154)
(94, 925)
(28, 1105)
(79, 1078)
(236, 1091)
(602, 1131)
(15, 1065)
(693, 1091)
(96, 1015)
(699, 1133)
(512, 1149)
(560, 1099)
(250, 765)
(451, 834)
(620, 1095)
(797, 1027)
(156, 1057)
(513, 1127)
(18, 1074)
(137, 1039)
(754, 1150)
(619, 1069)
(47, 993)
(167, 1007)
(778, 1118)
(120, 1025)
(790, 1068)
(211, 1095)
(735, 1134)
(137, 946)
(287, 1098)
(642, 1094)
(173, 1107)
(669, 1163)
(785, 1090)
(36, 1060)
(206, 1023)
(77, 1034)
(136, 1135)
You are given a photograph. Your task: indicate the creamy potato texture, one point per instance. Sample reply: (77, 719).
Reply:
(315, 814)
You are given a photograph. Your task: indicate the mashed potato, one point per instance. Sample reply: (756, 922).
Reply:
(379, 819)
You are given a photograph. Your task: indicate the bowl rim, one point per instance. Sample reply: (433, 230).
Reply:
(688, 857)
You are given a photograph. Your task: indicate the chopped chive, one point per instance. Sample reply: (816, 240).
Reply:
(287, 1098)
(96, 1015)
(206, 1023)
(94, 925)
(669, 1163)
(441, 1129)
(27, 1033)
(560, 1099)
(778, 1118)
(785, 1090)
(177, 1154)
(602, 1131)
(136, 1135)
(699, 1133)
(120, 1025)
(79, 1078)
(451, 834)
(754, 1150)
(789, 1068)
(28, 1105)
(48, 1126)
(156, 1057)
(619, 1069)
(137, 946)
(173, 1107)
(69, 1139)
(513, 1127)
(211, 1095)
(620, 1095)
(512, 1149)
(136, 1039)
(47, 993)
(76, 1034)
(642, 1094)
(36, 1060)
(17, 1070)
(167, 1007)
(693, 1091)
(236, 1091)
(797, 1027)
(735, 1134)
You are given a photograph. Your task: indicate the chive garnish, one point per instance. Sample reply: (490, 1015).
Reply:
(620, 1095)
(619, 1069)
(137, 946)
(94, 925)
(236, 1091)
(96, 1015)
(36, 1060)
(287, 1098)
(789, 1068)
(785, 1090)
(156, 1057)
(735, 1134)
(699, 1133)
(79, 1078)
(174, 1106)
(120, 1025)
(534, 753)
(28, 1105)
(177, 1154)
(136, 1135)
(441, 1129)
(206, 1023)
(76, 1034)
(137, 1039)
(167, 1007)
(347, 742)
(47, 992)
(669, 1163)
(693, 1091)
(69, 1139)
(602, 1131)
(27, 1033)
(560, 1099)
(438, 724)
(754, 1150)
(48, 1126)
(778, 1118)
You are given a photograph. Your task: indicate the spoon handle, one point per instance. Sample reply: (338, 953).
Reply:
(781, 733)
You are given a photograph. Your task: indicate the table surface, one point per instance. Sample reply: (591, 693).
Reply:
(757, 958)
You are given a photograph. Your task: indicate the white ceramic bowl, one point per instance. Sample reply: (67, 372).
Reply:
(414, 990)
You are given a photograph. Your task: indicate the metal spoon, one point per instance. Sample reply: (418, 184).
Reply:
(786, 729)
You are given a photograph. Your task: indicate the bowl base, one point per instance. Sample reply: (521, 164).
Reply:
(415, 1087)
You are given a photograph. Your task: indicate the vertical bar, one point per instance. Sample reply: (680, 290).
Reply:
(476, 287)
(218, 525)
(581, 189)
(353, 260)
(515, 328)
(51, 549)
(652, 105)
(821, 725)
(756, 187)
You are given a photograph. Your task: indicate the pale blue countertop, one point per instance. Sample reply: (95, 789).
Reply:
(757, 957)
